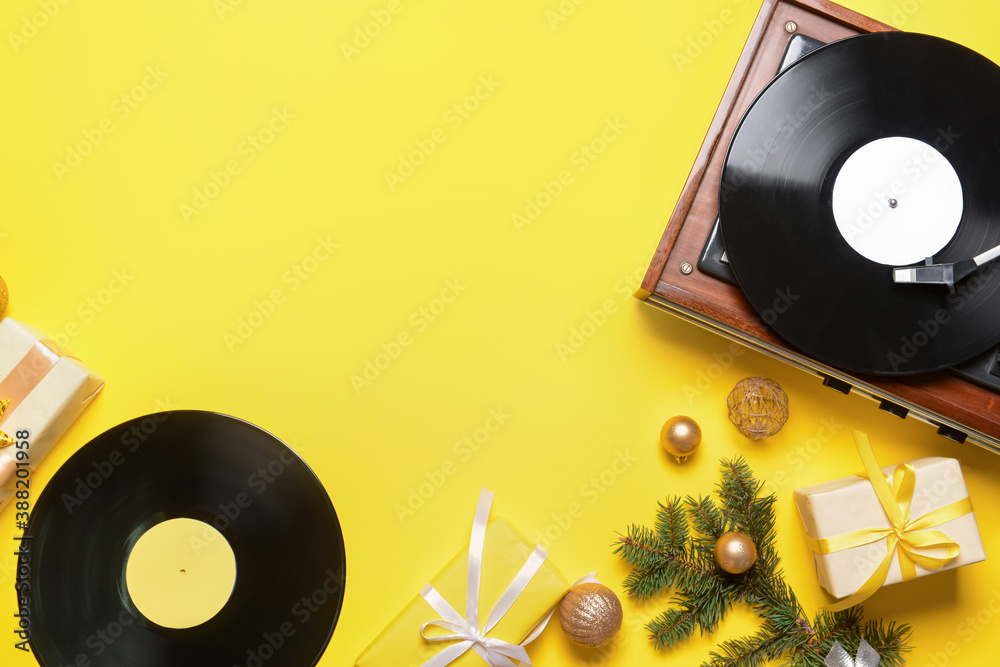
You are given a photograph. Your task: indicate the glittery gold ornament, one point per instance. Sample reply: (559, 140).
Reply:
(680, 436)
(758, 407)
(3, 297)
(735, 552)
(5, 439)
(590, 614)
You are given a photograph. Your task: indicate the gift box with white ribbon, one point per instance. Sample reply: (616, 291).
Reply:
(484, 607)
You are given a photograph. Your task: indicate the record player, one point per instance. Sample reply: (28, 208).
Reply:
(835, 219)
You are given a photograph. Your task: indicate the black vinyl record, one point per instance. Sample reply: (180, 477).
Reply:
(220, 470)
(777, 220)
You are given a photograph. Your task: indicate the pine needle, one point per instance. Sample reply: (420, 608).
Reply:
(677, 554)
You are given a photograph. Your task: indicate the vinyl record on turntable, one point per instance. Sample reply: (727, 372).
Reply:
(870, 155)
(184, 538)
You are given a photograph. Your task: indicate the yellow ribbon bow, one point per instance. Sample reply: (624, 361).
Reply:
(904, 537)
(5, 439)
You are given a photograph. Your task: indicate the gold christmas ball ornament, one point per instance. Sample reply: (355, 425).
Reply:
(591, 614)
(680, 436)
(3, 297)
(758, 407)
(735, 552)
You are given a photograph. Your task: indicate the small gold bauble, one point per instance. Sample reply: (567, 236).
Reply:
(3, 297)
(590, 614)
(680, 436)
(735, 552)
(758, 407)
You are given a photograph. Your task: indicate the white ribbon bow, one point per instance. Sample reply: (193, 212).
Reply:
(467, 633)
(867, 656)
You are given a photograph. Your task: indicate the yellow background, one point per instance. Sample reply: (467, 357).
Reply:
(161, 339)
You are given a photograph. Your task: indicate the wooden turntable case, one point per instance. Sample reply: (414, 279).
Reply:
(958, 408)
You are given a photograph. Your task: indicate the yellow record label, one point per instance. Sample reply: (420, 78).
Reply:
(181, 573)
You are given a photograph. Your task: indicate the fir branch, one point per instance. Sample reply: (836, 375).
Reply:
(890, 642)
(637, 549)
(738, 489)
(665, 570)
(753, 651)
(672, 525)
(671, 627)
(656, 567)
(706, 516)
(839, 624)
(678, 553)
(641, 547)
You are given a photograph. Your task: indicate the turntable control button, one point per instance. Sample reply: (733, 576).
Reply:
(836, 384)
(893, 409)
(952, 433)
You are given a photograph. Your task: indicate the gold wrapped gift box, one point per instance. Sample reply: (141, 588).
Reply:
(850, 505)
(47, 389)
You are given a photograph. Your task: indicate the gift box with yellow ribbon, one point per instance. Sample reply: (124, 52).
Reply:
(42, 390)
(484, 607)
(890, 525)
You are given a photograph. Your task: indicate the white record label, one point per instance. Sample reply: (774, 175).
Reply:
(897, 201)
